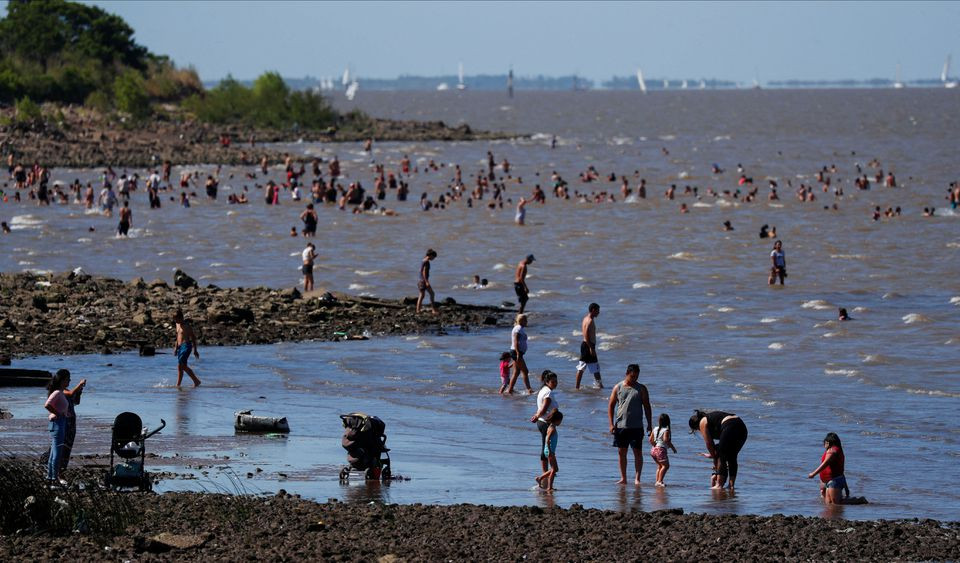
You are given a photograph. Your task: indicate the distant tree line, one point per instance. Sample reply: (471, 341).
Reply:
(70, 53)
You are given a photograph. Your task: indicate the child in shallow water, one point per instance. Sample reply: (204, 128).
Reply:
(833, 481)
(546, 479)
(660, 440)
(506, 362)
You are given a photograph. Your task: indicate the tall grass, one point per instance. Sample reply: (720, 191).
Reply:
(29, 505)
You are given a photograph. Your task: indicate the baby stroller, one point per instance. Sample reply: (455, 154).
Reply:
(366, 446)
(127, 441)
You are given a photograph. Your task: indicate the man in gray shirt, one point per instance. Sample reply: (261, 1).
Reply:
(629, 405)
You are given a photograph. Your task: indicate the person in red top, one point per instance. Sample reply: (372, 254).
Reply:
(831, 471)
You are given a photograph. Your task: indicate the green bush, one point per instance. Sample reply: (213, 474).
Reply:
(98, 100)
(130, 93)
(27, 111)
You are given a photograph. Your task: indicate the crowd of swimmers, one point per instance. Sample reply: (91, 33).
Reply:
(489, 187)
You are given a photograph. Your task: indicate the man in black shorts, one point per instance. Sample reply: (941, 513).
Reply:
(629, 405)
(520, 282)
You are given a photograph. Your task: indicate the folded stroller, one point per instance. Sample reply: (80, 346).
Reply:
(366, 446)
(127, 441)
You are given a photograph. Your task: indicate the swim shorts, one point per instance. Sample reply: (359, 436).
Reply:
(307, 269)
(183, 353)
(659, 454)
(542, 427)
(836, 483)
(588, 360)
(514, 355)
(522, 294)
(422, 285)
(627, 437)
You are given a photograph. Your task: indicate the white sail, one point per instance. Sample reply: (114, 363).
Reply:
(945, 75)
(640, 82)
(346, 77)
(683, 85)
(898, 83)
(703, 84)
(460, 84)
(443, 87)
(666, 84)
(352, 90)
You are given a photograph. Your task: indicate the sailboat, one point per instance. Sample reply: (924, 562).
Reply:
(945, 75)
(898, 83)
(346, 77)
(460, 84)
(703, 84)
(443, 87)
(643, 85)
(683, 85)
(352, 89)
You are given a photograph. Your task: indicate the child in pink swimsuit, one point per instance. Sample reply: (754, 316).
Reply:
(505, 364)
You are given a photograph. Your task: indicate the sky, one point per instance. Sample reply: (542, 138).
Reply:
(597, 40)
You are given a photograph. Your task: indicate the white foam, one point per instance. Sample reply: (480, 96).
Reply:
(366, 272)
(561, 354)
(21, 222)
(702, 204)
(682, 256)
(725, 309)
(217, 264)
(914, 318)
(844, 372)
(848, 256)
(955, 300)
(357, 287)
(24, 263)
(817, 304)
(642, 285)
(767, 320)
(953, 245)
(830, 334)
(722, 138)
(775, 346)
(500, 266)
(683, 175)
(43, 283)
(84, 240)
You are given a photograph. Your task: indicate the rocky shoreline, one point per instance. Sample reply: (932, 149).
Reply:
(74, 313)
(204, 527)
(77, 137)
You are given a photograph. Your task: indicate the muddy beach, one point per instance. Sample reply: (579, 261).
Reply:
(185, 526)
(75, 137)
(77, 313)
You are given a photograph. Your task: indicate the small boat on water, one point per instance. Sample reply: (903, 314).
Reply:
(641, 82)
(945, 75)
(246, 421)
(15, 377)
(460, 83)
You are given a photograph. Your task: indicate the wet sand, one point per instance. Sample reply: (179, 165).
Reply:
(72, 314)
(284, 527)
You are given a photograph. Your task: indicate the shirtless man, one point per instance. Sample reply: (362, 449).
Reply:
(186, 342)
(126, 219)
(588, 347)
(423, 282)
(520, 282)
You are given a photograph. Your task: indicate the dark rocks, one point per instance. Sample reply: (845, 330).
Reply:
(99, 314)
(183, 281)
(449, 301)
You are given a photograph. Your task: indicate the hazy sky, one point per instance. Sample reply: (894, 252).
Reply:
(733, 40)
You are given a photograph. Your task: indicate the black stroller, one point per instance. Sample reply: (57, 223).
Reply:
(127, 440)
(366, 446)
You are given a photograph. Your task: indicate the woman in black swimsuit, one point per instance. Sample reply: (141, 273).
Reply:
(309, 218)
(729, 433)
